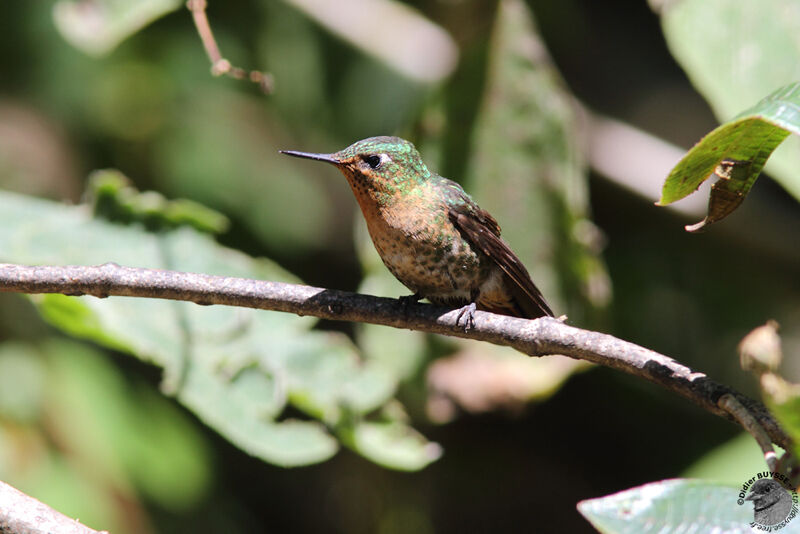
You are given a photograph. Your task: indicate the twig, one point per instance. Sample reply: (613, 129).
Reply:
(730, 404)
(22, 514)
(535, 338)
(219, 65)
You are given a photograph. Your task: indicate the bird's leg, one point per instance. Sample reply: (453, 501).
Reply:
(408, 300)
(468, 311)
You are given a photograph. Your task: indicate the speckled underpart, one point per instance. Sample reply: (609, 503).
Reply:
(430, 234)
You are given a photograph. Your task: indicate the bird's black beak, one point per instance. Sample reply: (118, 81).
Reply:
(329, 158)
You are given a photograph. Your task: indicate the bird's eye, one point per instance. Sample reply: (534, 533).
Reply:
(374, 162)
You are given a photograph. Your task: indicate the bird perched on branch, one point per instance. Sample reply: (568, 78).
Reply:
(430, 233)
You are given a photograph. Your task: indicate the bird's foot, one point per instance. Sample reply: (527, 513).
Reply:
(468, 313)
(408, 300)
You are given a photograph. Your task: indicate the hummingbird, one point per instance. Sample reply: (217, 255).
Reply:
(431, 235)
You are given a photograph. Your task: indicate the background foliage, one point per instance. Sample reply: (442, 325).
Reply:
(496, 96)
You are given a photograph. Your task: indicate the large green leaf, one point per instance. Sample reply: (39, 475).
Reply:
(673, 507)
(737, 52)
(237, 369)
(735, 153)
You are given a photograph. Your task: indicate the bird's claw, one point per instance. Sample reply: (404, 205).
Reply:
(468, 313)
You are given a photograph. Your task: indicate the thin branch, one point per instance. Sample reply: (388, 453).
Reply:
(731, 405)
(219, 65)
(22, 514)
(539, 337)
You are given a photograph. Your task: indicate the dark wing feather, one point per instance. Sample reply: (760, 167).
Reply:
(482, 230)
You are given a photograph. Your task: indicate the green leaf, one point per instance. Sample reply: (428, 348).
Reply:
(787, 411)
(735, 152)
(112, 197)
(730, 463)
(392, 444)
(671, 507)
(128, 435)
(735, 53)
(22, 382)
(237, 369)
(95, 442)
(96, 27)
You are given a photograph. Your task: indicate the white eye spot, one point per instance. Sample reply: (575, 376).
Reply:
(376, 161)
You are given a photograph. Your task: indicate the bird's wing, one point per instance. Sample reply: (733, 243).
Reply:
(482, 230)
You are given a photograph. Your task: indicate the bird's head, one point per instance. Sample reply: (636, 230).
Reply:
(764, 493)
(383, 166)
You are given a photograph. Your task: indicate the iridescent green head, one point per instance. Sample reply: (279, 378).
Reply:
(386, 165)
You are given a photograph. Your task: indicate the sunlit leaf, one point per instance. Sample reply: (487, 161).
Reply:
(392, 444)
(671, 507)
(237, 369)
(735, 153)
(481, 378)
(737, 52)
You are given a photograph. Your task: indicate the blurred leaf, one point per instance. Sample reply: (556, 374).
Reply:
(671, 507)
(731, 463)
(392, 444)
(235, 368)
(393, 32)
(96, 444)
(239, 171)
(22, 382)
(735, 153)
(112, 197)
(730, 51)
(783, 399)
(527, 171)
(126, 436)
(97, 26)
(131, 100)
(784, 403)
(481, 378)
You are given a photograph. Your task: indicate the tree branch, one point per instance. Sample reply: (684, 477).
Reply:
(22, 514)
(538, 337)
